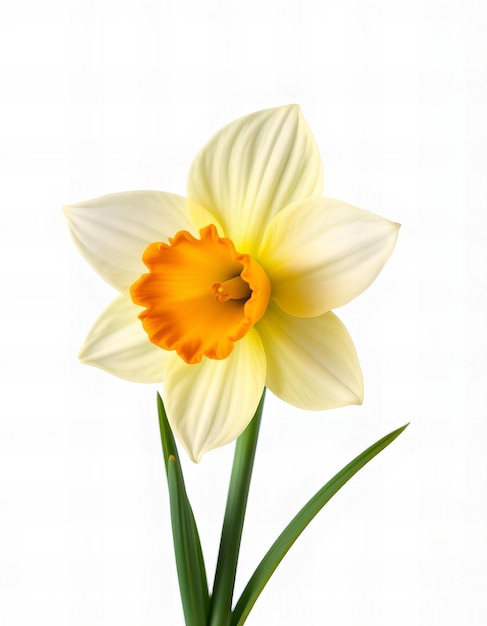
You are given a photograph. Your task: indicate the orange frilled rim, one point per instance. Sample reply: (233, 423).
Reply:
(200, 295)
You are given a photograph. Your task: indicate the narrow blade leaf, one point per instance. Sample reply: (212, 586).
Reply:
(289, 535)
(167, 438)
(189, 556)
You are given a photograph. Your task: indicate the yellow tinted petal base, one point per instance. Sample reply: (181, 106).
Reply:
(201, 295)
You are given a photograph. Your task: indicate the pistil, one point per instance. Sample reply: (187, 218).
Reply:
(234, 289)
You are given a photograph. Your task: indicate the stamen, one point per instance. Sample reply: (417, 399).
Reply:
(234, 289)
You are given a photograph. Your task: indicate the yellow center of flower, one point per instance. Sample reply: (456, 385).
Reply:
(201, 295)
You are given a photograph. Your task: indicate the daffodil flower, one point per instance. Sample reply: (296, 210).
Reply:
(231, 289)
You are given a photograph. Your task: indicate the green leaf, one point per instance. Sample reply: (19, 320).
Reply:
(289, 535)
(189, 557)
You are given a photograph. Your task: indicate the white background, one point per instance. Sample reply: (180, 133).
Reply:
(102, 96)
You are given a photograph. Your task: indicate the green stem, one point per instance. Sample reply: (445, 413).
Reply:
(243, 462)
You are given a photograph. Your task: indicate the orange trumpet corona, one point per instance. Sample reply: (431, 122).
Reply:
(200, 295)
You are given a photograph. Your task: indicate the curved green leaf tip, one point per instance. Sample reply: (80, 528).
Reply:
(292, 531)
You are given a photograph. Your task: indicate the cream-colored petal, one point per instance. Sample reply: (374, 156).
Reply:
(311, 362)
(118, 344)
(253, 168)
(113, 231)
(201, 217)
(321, 253)
(211, 403)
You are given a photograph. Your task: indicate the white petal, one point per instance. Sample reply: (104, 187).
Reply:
(311, 363)
(113, 231)
(321, 253)
(211, 403)
(253, 168)
(118, 344)
(201, 217)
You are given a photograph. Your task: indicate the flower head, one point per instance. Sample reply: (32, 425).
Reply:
(231, 289)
